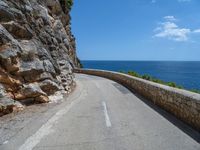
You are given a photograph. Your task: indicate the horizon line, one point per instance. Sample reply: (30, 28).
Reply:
(140, 60)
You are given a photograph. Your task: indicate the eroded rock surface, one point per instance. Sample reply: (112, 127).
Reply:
(37, 52)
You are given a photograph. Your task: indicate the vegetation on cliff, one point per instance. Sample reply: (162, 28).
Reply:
(79, 62)
(153, 79)
(66, 4)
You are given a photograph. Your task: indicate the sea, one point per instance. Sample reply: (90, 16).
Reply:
(183, 73)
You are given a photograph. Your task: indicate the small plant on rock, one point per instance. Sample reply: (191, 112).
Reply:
(66, 5)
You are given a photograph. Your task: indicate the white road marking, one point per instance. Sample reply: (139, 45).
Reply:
(46, 129)
(97, 84)
(107, 119)
(5, 142)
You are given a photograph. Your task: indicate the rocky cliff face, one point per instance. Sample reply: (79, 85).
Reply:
(37, 52)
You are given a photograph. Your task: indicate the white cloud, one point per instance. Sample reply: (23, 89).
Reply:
(170, 18)
(197, 31)
(171, 31)
(154, 1)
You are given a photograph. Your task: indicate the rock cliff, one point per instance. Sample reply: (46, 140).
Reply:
(37, 51)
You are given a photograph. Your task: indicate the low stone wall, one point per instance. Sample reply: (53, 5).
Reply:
(185, 105)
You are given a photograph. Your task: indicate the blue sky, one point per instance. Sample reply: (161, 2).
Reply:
(137, 29)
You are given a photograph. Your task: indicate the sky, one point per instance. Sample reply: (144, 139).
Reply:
(137, 29)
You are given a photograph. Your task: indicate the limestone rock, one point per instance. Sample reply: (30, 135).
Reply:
(48, 66)
(18, 30)
(32, 90)
(8, 13)
(54, 6)
(8, 105)
(6, 78)
(42, 99)
(30, 70)
(49, 87)
(37, 52)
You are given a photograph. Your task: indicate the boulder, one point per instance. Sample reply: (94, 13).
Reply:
(40, 11)
(9, 49)
(44, 76)
(49, 67)
(5, 13)
(5, 36)
(6, 78)
(30, 70)
(31, 90)
(9, 63)
(9, 13)
(42, 99)
(54, 6)
(49, 87)
(18, 31)
(8, 105)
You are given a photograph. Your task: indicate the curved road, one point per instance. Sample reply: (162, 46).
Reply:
(103, 115)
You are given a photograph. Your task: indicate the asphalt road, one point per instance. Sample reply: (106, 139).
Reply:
(103, 115)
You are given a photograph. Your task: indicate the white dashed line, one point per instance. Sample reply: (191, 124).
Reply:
(5, 142)
(107, 119)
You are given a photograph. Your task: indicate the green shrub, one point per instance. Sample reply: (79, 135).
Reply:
(121, 71)
(158, 81)
(79, 63)
(147, 77)
(150, 78)
(172, 84)
(195, 91)
(69, 4)
(132, 73)
(66, 5)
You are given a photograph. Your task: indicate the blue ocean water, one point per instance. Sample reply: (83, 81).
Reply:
(184, 73)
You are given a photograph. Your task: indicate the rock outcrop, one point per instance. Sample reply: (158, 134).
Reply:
(37, 51)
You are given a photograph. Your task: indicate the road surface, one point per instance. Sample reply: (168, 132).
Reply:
(103, 115)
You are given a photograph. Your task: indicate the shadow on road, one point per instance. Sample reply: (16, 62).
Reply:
(194, 134)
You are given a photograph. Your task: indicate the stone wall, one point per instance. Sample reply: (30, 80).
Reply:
(183, 104)
(37, 52)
